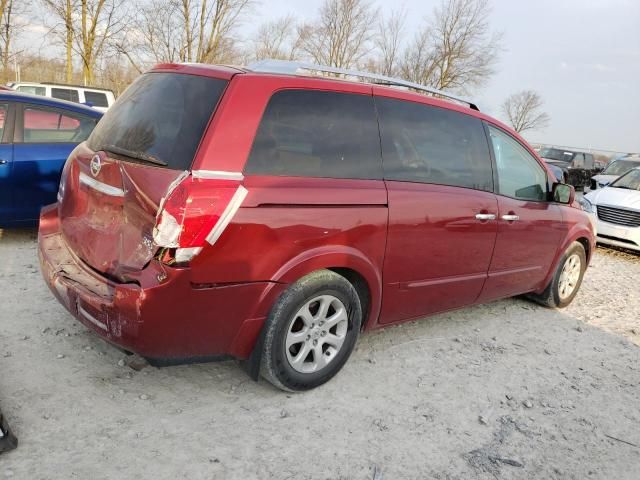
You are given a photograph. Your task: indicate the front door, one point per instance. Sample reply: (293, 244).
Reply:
(530, 227)
(442, 211)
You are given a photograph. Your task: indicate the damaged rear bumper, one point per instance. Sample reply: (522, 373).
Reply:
(160, 316)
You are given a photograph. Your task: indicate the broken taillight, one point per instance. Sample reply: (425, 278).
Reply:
(196, 211)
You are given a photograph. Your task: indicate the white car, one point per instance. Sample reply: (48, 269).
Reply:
(613, 171)
(616, 209)
(99, 98)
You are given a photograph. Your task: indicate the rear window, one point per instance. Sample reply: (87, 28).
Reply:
(96, 99)
(310, 133)
(65, 94)
(426, 144)
(161, 115)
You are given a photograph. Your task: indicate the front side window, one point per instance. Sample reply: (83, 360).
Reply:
(426, 144)
(96, 99)
(33, 90)
(578, 160)
(588, 160)
(519, 173)
(311, 133)
(42, 125)
(65, 94)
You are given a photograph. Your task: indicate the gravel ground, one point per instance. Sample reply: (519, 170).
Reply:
(505, 390)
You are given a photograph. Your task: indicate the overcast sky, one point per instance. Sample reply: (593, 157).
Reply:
(582, 56)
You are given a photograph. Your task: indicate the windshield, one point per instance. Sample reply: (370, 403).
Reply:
(161, 116)
(556, 154)
(630, 180)
(619, 167)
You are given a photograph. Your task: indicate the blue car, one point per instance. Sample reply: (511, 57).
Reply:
(37, 134)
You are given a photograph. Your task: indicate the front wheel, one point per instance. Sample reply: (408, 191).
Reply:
(566, 280)
(311, 331)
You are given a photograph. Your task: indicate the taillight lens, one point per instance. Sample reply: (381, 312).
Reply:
(195, 212)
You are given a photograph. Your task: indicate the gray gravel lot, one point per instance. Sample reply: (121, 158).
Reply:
(505, 390)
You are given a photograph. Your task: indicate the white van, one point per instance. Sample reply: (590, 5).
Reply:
(98, 98)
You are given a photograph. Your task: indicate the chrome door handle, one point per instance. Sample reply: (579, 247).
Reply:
(510, 218)
(485, 216)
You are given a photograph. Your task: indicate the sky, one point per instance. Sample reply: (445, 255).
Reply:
(581, 56)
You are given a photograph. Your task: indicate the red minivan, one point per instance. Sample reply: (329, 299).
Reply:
(271, 217)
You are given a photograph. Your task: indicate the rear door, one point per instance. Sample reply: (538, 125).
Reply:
(6, 162)
(44, 138)
(530, 226)
(442, 211)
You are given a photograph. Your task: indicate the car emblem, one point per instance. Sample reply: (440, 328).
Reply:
(95, 165)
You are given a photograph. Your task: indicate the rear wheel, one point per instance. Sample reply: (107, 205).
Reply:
(311, 331)
(566, 280)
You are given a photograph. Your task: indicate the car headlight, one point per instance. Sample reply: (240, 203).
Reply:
(586, 205)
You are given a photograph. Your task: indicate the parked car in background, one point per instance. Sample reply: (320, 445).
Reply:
(617, 209)
(38, 133)
(577, 167)
(614, 170)
(99, 98)
(338, 206)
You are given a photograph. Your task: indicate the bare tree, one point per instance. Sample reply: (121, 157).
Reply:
(101, 21)
(184, 31)
(455, 49)
(10, 26)
(388, 41)
(277, 39)
(62, 11)
(342, 35)
(523, 111)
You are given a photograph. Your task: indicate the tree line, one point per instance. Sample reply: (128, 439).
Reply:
(109, 42)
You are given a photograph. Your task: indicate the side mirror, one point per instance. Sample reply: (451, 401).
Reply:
(563, 193)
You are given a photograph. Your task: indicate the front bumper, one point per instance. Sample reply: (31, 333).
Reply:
(617, 235)
(161, 319)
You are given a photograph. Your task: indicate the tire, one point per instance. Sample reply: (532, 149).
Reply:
(554, 295)
(297, 319)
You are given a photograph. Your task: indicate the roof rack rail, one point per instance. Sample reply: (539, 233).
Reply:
(292, 68)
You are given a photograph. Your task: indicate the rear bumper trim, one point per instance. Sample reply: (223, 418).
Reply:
(91, 318)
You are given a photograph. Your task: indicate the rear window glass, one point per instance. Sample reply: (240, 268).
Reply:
(426, 144)
(96, 99)
(161, 115)
(313, 133)
(65, 94)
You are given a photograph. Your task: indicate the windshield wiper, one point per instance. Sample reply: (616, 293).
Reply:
(145, 157)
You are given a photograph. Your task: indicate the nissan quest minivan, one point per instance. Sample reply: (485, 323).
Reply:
(272, 216)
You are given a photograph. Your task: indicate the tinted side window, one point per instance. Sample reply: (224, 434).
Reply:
(3, 117)
(421, 143)
(588, 160)
(519, 174)
(317, 134)
(65, 94)
(33, 90)
(578, 160)
(97, 99)
(42, 125)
